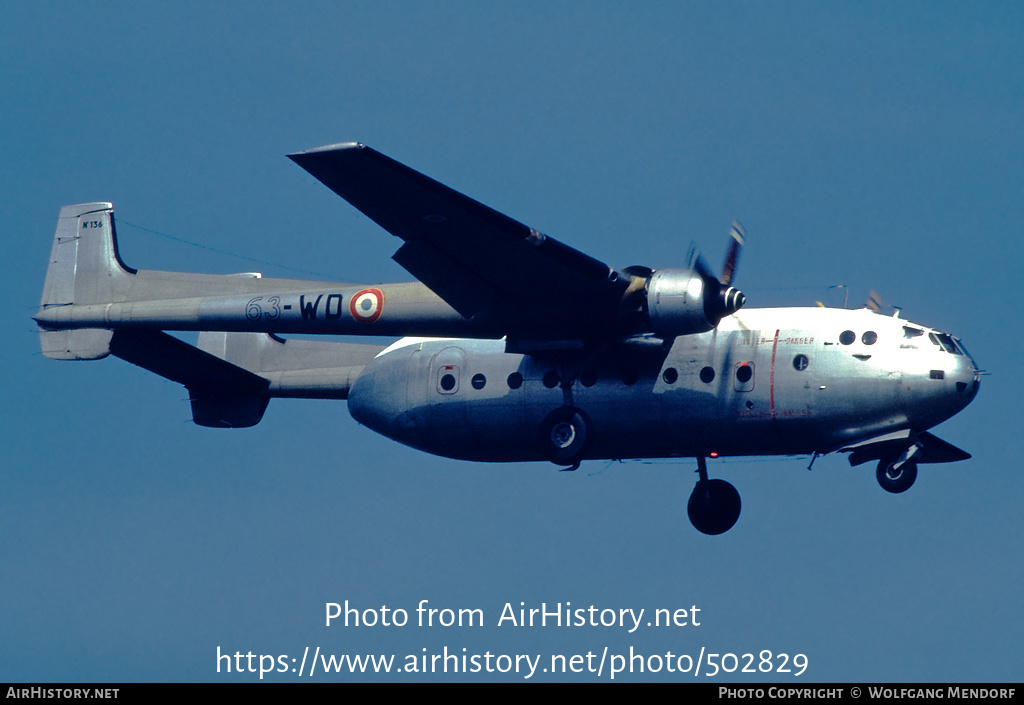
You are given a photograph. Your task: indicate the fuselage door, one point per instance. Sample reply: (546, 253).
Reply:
(446, 373)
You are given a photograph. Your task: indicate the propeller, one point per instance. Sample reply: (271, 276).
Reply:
(733, 255)
(670, 291)
(720, 299)
(874, 301)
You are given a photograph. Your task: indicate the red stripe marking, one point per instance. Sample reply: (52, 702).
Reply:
(771, 376)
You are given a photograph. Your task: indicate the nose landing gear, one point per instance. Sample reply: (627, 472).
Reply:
(896, 478)
(897, 473)
(714, 505)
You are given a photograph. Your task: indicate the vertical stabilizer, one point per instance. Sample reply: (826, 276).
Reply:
(84, 268)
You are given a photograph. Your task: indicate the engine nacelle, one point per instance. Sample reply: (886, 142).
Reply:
(682, 302)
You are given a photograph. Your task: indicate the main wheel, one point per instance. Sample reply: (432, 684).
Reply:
(565, 435)
(714, 507)
(896, 480)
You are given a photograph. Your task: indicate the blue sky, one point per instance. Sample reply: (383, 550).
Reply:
(873, 145)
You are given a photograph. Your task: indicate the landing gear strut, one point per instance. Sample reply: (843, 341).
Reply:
(714, 505)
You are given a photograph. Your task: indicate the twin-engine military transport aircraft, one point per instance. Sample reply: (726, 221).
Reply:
(517, 347)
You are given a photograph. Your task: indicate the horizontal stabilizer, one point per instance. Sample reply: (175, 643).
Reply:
(231, 377)
(222, 395)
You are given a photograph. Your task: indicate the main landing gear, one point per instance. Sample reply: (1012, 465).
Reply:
(714, 505)
(565, 435)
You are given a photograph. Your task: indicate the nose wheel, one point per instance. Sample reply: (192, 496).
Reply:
(896, 477)
(896, 473)
(714, 505)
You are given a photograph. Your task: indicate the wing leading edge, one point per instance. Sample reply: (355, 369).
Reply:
(481, 262)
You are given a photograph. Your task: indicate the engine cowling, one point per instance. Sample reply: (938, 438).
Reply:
(685, 301)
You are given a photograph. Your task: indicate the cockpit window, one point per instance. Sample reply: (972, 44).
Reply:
(911, 332)
(945, 342)
(960, 346)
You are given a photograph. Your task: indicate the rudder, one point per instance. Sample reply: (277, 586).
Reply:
(84, 268)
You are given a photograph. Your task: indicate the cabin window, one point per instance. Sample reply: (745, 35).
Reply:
(447, 383)
(550, 379)
(707, 375)
(630, 377)
(588, 378)
(744, 376)
(800, 363)
(869, 338)
(847, 337)
(515, 380)
(670, 375)
(478, 381)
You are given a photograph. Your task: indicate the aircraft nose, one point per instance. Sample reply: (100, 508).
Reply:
(968, 376)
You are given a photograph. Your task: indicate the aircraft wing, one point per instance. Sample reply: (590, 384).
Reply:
(481, 262)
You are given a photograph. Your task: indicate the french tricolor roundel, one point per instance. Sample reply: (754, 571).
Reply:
(366, 305)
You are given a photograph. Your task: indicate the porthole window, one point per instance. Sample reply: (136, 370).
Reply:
(550, 379)
(515, 380)
(478, 381)
(869, 337)
(630, 377)
(743, 373)
(448, 382)
(670, 375)
(847, 337)
(588, 378)
(707, 375)
(800, 363)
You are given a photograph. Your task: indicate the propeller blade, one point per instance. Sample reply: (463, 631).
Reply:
(699, 264)
(733, 255)
(720, 299)
(874, 301)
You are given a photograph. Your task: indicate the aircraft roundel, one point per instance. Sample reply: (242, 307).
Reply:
(366, 305)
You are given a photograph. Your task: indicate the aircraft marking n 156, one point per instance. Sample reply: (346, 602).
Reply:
(516, 347)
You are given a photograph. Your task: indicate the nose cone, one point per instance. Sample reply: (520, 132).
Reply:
(939, 380)
(967, 377)
(956, 382)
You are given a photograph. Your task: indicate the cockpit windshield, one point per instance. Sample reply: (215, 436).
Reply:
(945, 342)
(960, 346)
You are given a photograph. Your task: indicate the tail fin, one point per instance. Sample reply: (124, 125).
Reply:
(84, 268)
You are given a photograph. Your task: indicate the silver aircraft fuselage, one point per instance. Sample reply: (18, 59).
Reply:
(783, 381)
